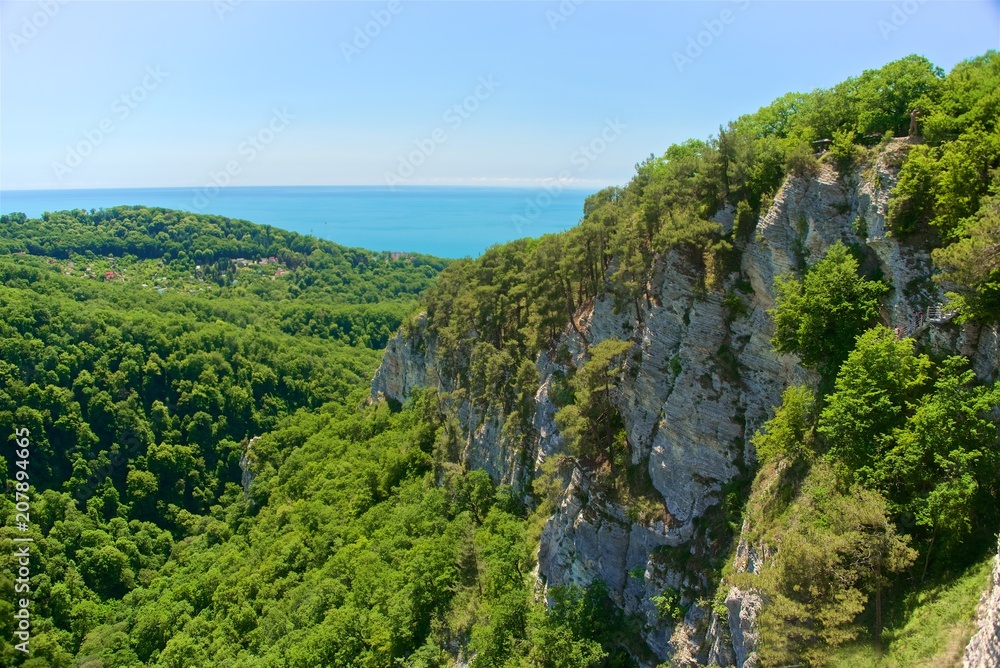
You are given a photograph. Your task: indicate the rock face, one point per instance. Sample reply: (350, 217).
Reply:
(247, 463)
(700, 379)
(591, 539)
(983, 650)
(408, 363)
(742, 607)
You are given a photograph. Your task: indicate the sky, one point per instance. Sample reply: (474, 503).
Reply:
(253, 92)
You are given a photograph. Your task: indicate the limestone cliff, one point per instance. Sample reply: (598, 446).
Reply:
(983, 650)
(700, 379)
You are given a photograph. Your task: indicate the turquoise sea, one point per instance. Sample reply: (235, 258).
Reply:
(446, 221)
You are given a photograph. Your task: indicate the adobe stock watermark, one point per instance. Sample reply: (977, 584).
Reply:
(454, 117)
(704, 39)
(33, 24)
(223, 7)
(121, 109)
(581, 160)
(363, 35)
(248, 150)
(22, 544)
(561, 13)
(901, 13)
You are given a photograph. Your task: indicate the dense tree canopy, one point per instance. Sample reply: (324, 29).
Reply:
(820, 316)
(901, 462)
(145, 379)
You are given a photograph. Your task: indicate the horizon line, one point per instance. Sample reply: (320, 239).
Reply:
(540, 183)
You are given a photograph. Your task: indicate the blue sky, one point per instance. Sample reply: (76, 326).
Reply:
(176, 93)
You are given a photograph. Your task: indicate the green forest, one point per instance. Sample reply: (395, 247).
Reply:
(211, 484)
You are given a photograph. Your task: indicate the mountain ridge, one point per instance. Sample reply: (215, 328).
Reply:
(587, 538)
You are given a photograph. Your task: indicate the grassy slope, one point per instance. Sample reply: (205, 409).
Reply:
(933, 632)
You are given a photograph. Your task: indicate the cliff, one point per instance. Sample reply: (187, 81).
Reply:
(983, 650)
(700, 379)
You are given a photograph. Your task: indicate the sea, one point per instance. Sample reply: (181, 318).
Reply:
(446, 221)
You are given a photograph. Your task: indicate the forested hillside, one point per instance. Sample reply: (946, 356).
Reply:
(717, 362)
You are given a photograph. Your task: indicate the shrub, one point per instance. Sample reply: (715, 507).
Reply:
(800, 161)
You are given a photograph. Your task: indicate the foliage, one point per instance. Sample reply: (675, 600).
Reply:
(801, 162)
(591, 425)
(911, 456)
(570, 633)
(913, 196)
(844, 150)
(189, 239)
(819, 317)
(876, 385)
(835, 551)
(359, 542)
(973, 262)
(942, 182)
(921, 436)
(521, 295)
(145, 349)
(932, 627)
(789, 434)
(356, 557)
(149, 393)
(668, 604)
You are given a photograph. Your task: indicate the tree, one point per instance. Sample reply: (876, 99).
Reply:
(820, 316)
(973, 262)
(789, 434)
(941, 471)
(566, 635)
(844, 150)
(878, 552)
(912, 200)
(142, 488)
(107, 571)
(476, 493)
(874, 389)
(592, 424)
(837, 548)
(800, 161)
(920, 435)
(885, 97)
(505, 614)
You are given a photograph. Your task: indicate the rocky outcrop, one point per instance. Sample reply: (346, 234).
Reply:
(983, 650)
(248, 462)
(700, 379)
(590, 539)
(743, 607)
(409, 362)
(732, 637)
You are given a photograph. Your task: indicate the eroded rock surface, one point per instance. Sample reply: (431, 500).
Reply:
(983, 650)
